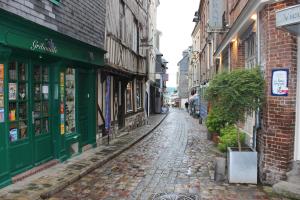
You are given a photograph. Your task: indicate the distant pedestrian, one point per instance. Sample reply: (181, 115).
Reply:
(186, 106)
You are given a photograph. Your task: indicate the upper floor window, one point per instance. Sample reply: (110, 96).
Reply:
(135, 37)
(250, 51)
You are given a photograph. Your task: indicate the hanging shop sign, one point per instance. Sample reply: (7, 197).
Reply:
(280, 82)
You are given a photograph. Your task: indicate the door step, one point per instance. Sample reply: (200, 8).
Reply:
(34, 170)
(291, 187)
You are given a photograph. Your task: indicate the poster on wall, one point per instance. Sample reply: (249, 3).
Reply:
(12, 91)
(280, 82)
(1, 72)
(1, 115)
(1, 101)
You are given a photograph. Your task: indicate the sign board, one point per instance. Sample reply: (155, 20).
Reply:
(215, 14)
(165, 77)
(280, 82)
(288, 16)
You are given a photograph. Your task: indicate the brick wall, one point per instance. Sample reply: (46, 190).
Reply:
(237, 55)
(235, 7)
(82, 20)
(276, 138)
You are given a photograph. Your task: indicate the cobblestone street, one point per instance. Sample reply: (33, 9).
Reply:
(175, 158)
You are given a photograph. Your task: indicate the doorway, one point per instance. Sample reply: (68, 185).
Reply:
(29, 130)
(84, 105)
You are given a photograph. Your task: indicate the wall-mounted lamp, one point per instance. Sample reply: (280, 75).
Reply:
(254, 17)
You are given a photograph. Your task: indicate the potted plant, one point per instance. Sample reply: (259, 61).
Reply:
(235, 94)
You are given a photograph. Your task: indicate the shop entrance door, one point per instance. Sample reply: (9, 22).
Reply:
(84, 86)
(41, 115)
(28, 115)
(19, 119)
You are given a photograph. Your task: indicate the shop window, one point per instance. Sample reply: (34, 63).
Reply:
(70, 100)
(139, 93)
(129, 106)
(17, 101)
(41, 99)
(250, 51)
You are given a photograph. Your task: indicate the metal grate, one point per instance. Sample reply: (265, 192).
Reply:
(174, 196)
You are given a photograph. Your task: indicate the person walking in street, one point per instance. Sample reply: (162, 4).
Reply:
(186, 106)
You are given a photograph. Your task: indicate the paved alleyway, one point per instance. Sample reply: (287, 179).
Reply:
(175, 158)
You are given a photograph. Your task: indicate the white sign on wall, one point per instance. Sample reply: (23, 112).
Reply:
(215, 16)
(288, 16)
(280, 82)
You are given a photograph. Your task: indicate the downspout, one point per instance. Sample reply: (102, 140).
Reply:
(257, 112)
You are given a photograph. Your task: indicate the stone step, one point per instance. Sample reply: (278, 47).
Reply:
(287, 189)
(293, 176)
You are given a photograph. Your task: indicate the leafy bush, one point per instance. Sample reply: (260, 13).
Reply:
(215, 120)
(236, 93)
(229, 138)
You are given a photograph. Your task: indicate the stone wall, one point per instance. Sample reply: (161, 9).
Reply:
(134, 121)
(82, 20)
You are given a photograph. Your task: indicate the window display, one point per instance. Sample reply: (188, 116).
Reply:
(18, 101)
(129, 97)
(70, 100)
(41, 99)
(139, 90)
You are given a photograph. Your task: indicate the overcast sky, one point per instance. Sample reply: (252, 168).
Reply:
(175, 21)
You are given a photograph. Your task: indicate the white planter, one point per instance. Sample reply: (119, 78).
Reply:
(242, 166)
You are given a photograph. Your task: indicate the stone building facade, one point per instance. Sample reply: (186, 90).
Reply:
(183, 81)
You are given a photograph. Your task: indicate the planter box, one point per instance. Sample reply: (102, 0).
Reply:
(242, 166)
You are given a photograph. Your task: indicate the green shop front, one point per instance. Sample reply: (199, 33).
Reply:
(47, 95)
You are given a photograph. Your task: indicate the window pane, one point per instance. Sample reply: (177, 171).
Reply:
(22, 111)
(13, 132)
(37, 109)
(22, 72)
(37, 126)
(13, 71)
(129, 97)
(22, 91)
(23, 129)
(45, 125)
(70, 100)
(37, 73)
(37, 92)
(12, 111)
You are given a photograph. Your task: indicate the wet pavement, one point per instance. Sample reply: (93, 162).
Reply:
(53, 179)
(174, 162)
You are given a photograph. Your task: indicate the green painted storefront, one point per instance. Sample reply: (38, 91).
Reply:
(47, 95)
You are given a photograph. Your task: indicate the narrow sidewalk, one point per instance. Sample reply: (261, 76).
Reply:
(44, 184)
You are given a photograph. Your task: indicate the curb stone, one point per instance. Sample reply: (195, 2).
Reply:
(100, 163)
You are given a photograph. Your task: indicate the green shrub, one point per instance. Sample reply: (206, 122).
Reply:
(229, 138)
(237, 93)
(215, 121)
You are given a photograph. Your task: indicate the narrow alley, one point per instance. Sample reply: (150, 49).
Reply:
(175, 159)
